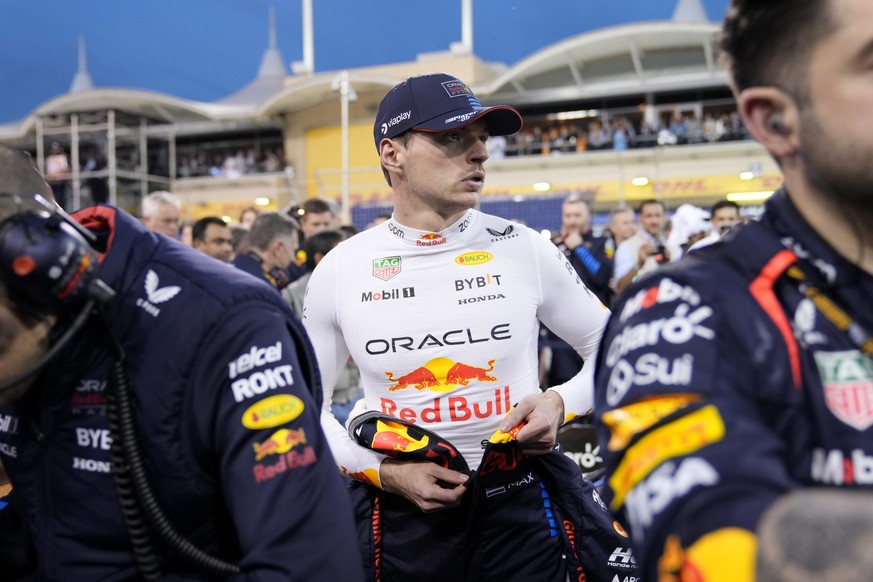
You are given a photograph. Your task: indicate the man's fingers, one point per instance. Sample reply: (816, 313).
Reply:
(516, 415)
(447, 475)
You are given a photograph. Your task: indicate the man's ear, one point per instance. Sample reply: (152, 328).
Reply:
(392, 154)
(773, 118)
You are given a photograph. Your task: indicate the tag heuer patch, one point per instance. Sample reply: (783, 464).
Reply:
(847, 378)
(386, 267)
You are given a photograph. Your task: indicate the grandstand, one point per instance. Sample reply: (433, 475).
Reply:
(620, 115)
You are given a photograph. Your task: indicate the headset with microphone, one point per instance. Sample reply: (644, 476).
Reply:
(49, 268)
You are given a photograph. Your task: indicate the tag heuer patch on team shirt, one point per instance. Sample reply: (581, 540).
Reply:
(847, 378)
(386, 267)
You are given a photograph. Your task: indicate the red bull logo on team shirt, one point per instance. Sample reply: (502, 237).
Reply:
(430, 239)
(280, 442)
(441, 375)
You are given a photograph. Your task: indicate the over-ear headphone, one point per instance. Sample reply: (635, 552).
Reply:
(46, 265)
(776, 123)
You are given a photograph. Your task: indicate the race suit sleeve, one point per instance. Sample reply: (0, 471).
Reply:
(682, 397)
(321, 321)
(288, 505)
(571, 310)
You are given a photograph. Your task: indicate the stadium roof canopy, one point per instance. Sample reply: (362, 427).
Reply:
(631, 59)
(622, 60)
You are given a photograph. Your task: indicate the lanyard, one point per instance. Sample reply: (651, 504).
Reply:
(833, 312)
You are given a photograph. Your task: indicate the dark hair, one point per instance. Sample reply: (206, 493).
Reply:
(321, 242)
(724, 204)
(349, 230)
(248, 209)
(315, 206)
(269, 226)
(198, 230)
(648, 202)
(767, 43)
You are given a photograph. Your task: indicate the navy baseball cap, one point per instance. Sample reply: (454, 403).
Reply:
(438, 102)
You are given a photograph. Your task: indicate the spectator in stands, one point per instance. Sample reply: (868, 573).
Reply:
(272, 243)
(161, 212)
(56, 165)
(248, 216)
(646, 249)
(725, 215)
(211, 235)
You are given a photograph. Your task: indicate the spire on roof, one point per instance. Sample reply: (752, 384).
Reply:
(690, 11)
(82, 80)
(272, 63)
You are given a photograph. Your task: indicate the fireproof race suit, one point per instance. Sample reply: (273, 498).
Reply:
(723, 383)
(443, 326)
(219, 370)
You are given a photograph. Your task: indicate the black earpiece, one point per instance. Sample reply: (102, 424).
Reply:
(777, 124)
(46, 265)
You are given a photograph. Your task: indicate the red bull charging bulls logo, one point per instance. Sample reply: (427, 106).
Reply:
(281, 441)
(441, 375)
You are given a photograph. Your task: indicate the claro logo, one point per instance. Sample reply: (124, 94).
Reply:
(474, 258)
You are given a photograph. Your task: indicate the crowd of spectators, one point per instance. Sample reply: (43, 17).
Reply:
(231, 163)
(623, 132)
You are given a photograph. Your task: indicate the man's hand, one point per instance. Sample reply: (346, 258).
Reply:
(542, 415)
(572, 240)
(646, 251)
(427, 485)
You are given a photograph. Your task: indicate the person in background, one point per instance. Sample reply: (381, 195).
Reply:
(348, 383)
(315, 215)
(272, 243)
(439, 308)
(688, 225)
(194, 376)
(248, 216)
(725, 216)
(734, 386)
(621, 225)
(161, 212)
(646, 249)
(56, 167)
(211, 235)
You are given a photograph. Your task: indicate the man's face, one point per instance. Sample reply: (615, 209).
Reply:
(22, 343)
(444, 171)
(283, 251)
(836, 132)
(725, 219)
(575, 217)
(216, 242)
(165, 221)
(312, 223)
(652, 219)
(622, 225)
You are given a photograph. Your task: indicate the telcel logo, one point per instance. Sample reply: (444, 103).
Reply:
(474, 258)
